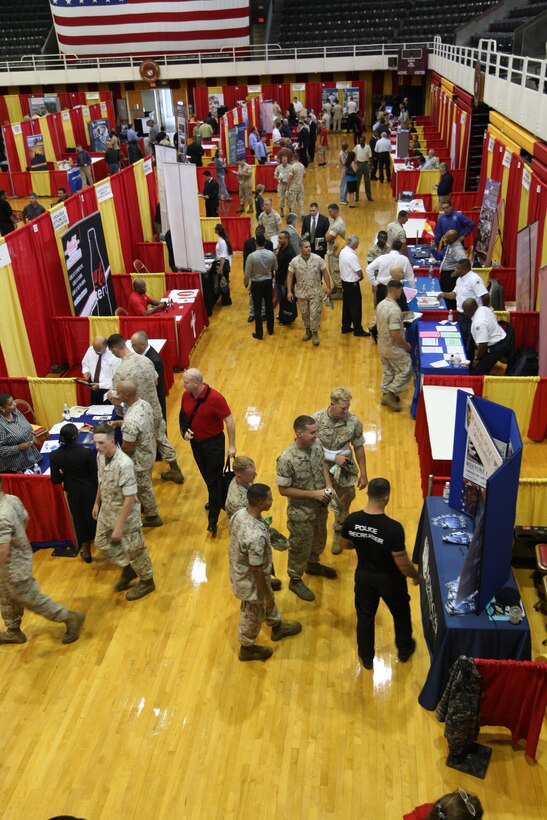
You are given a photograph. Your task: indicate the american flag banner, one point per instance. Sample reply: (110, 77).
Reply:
(145, 27)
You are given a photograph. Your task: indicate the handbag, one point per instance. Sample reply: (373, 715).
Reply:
(185, 422)
(227, 476)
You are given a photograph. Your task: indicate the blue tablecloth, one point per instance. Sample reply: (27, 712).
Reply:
(422, 360)
(85, 436)
(431, 284)
(449, 636)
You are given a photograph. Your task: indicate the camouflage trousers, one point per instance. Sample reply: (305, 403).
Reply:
(165, 448)
(307, 537)
(396, 371)
(16, 596)
(334, 269)
(130, 550)
(295, 197)
(145, 493)
(282, 193)
(310, 310)
(246, 195)
(341, 502)
(251, 617)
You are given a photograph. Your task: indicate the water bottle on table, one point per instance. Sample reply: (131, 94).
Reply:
(66, 412)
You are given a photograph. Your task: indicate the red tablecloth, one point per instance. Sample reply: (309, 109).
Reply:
(49, 519)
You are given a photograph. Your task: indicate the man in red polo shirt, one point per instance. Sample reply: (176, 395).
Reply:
(139, 303)
(203, 414)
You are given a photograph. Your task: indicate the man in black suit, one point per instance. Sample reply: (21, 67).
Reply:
(141, 345)
(211, 194)
(312, 125)
(315, 227)
(194, 152)
(249, 246)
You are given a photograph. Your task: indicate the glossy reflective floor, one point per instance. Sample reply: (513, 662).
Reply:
(151, 715)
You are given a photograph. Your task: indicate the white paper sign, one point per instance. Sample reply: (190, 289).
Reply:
(254, 89)
(5, 258)
(526, 178)
(65, 115)
(298, 87)
(490, 144)
(16, 128)
(59, 218)
(103, 191)
(507, 158)
(91, 96)
(85, 111)
(147, 166)
(103, 108)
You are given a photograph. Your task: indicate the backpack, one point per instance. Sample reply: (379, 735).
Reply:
(523, 362)
(287, 312)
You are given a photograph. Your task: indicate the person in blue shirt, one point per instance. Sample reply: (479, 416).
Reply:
(261, 151)
(445, 185)
(285, 129)
(254, 138)
(451, 220)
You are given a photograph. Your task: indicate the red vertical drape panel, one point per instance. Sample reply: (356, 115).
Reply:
(537, 208)
(497, 161)
(3, 368)
(11, 150)
(526, 326)
(126, 202)
(74, 336)
(238, 229)
(78, 128)
(88, 198)
(157, 327)
(538, 420)
(201, 101)
(512, 206)
(229, 92)
(123, 285)
(313, 96)
(16, 386)
(4, 116)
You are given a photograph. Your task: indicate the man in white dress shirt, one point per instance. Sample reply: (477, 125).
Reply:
(98, 367)
(468, 285)
(351, 275)
(491, 340)
(383, 152)
(379, 270)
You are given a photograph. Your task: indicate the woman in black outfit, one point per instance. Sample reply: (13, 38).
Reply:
(75, 466)
(7, 219)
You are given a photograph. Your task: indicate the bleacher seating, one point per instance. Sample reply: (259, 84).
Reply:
(502, 31)
(25, 27)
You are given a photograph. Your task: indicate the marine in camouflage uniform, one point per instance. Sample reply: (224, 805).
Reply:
(307, 268)
(283, 174)
(338, 430)
(236, 499)
(18, 588)
(337, 229)
(140, 370)
(244, 175)
(117, 481)
(295, 191)
(250, 560)
(138, 429)
(271, 222)
(302, 467)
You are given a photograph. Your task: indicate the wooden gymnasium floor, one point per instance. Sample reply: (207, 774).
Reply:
(150, 714)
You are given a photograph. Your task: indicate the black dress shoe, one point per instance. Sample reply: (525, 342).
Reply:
(212, 528)
(260, 338)
(207, 506)
(361, 333)
(346, 330)
(250, 319)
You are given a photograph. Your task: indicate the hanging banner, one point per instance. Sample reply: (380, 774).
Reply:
(487, 216)
(36, 151)
(526, 178)
(216, 101)
(240, 142)
(182, 129)
(88, 268)
(98, 135)
(525, 266)
(103, 191)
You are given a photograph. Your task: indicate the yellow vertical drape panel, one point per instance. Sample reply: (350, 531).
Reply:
(426, 181)
(49, 397)
(142, 196)
(111, 235)
(103, 326)
(504, 186)
(68, 131)
(49, 148)
(155, 283)
(13, 333)
(20, 147)
(523, 208)
(41, 184)
(517, 394)
(13, 104)
(532, 503)
(85, 118)
(208, 228)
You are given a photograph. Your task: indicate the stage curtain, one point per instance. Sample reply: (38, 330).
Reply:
(125, 208)
(40, 183)
(13, 332)
(526, 327)
(208, 228)
(238, 229)
(151, 254)
(516, 393)
(49, 396)
(532, 503)
(68, 130)
(313, 97)
(201, 101)
(74, 336)
(538, 421)
(13, 104)
(103, 326)
(17, 387)
(155, 283)
(143, 198)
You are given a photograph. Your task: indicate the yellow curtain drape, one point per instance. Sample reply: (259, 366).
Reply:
(13, 104)
(68, 131)
(155, 283)
(20, 147)
(107, 210)
(426, 181)
(41, 184)
(523, 208)
(49, 397)
(299, 94)
(49, 149)
(13, 333)
(388, 84)
(517, 394)
(103, 326)
(85, 118)
(208, 228)
(58, 235)
(144, 201)
(532, 503)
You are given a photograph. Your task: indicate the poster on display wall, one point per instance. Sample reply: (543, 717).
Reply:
(182, 130)
(216, 101)
(88, 268)
(487, 218)
(36, 151)
(44, 105)
(98, 135)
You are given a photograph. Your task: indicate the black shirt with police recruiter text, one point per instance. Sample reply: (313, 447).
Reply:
(375, 538)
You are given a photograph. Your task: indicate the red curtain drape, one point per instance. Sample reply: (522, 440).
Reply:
(537, 209)
(512, 206)
(183, 281)
(4, 116)
(11, 150)
(126, 201)
(3, 368)
(461, 200)
(277, 92)
(537, 430)
(238, 229)
(74, 336)
(17, 387)
(49, 521)
(229, 92)
(497, 161)
(313, 97)
(123, 285)
(78, 128)
(55, 126)
(157, 327)
(201, 101)
(151, 253)
(88, 198)
(526, 326)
